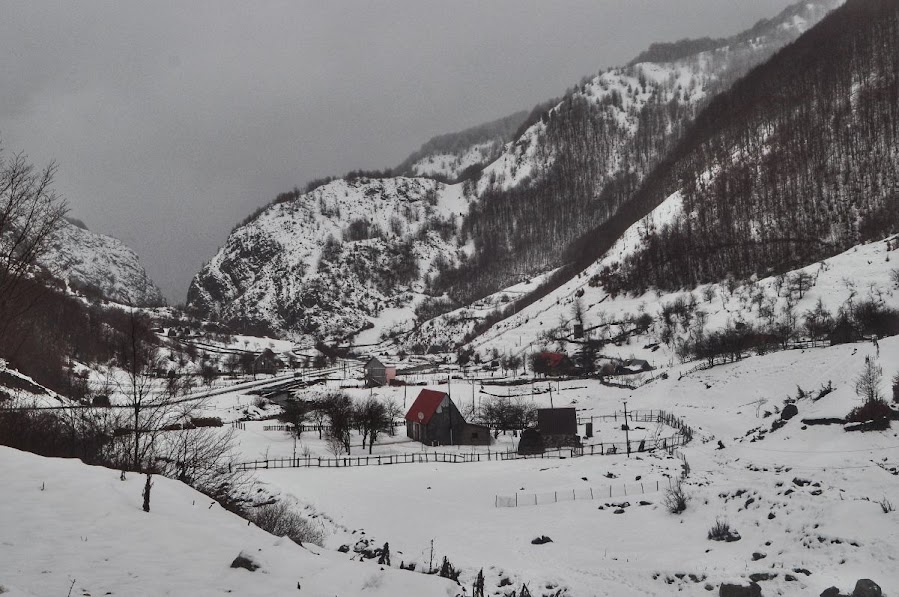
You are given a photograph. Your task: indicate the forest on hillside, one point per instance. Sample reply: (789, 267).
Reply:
(804, 156)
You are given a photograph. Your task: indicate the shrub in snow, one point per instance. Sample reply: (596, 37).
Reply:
(676, 499)
(876, 410)
(721, 531)
(281, 520)
(447, 570)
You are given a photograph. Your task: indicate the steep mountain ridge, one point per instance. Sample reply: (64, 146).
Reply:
(575, 168)
(100, 266)
(797, 162)
(786, 176)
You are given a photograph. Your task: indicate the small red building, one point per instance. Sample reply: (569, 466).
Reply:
(552, 363)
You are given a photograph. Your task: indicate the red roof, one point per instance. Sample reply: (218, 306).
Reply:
(425, 406)
(553, 359)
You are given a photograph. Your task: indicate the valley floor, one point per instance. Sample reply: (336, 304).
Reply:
(808, 502)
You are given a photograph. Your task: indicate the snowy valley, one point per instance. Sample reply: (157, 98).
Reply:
(640, 341)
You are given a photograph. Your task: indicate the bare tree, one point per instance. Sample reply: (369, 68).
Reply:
(30, 214)
(372, 418)
(394, 412)
(153, 405)
(340, 411)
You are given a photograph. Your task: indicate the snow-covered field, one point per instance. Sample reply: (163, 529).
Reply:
(802, 497)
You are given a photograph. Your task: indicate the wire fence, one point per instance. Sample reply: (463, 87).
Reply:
(583, 494)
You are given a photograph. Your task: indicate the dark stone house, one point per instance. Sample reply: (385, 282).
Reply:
(633, 366)
(434, 420)
(558, 427)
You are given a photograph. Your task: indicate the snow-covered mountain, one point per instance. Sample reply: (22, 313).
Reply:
(580, 162)
(736, 225)
(100, 266)
(571, 169)
(325, 263)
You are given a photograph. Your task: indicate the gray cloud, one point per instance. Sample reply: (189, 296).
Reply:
(171, 121)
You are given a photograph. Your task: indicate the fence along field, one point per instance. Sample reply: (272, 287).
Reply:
(682, 437)
(583, 494)
(593, 493)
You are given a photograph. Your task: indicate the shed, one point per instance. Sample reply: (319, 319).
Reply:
(267, 362)
(633, 366)
(558, 427)
(553, 363)
(377, 373)
(433, 419)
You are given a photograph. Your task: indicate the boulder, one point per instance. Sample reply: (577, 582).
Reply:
(866, 588)
(789, 412)
(245, 561)
(739, 589)
(831, 592)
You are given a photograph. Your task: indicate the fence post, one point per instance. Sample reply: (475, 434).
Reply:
(591, 493)
(516, 499)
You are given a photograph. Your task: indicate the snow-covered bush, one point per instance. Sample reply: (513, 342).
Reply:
(281, 520)
(676, 499)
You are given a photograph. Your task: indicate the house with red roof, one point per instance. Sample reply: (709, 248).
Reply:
(552, 363)
(434, 420)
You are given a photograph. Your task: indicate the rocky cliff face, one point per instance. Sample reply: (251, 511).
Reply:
(100, 267)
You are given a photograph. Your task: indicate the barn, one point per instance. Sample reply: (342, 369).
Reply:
(434, 420)
(633, 366)
(553, 364)
(377, 373)
(267, 362)
(558, 427)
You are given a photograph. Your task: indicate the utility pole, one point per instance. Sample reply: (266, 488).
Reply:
(626, 428)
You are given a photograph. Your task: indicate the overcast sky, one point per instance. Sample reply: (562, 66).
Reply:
(171, 121)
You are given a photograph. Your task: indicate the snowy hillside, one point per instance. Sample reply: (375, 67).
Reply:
(451, 166)
(329, 261)
(77, 529)
(863, 273)
(623, 92)
(100, 266)
(579, 164)
(449, 157)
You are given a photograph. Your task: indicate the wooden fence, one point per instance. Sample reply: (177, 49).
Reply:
(600, 449)
(310, 428)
